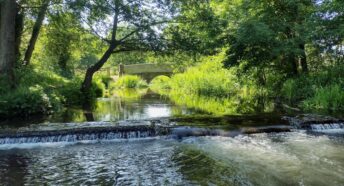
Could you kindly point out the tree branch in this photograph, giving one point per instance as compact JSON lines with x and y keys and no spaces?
{"x":92,"y":31}
{"x":142,"y":28}
{"x":115,"y":23}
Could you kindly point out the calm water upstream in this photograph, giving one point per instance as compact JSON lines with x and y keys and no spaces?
{"x":295,"y":158}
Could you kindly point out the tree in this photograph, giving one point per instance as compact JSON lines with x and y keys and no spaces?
{"x":271,"y":33}
{"x":328,"y":32}
{"x":197,"y":29}
{"x":35,"y":32}
{"x":8,"y":13}
{"x":63,"y":35}
{"x":124,"y":25}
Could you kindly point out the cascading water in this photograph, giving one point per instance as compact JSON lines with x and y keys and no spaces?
{"x":77,"y":137}
{"x":328,"y":128}
{"x":82,"y":134}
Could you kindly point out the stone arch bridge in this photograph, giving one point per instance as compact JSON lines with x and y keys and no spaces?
{"x":146,"y":71}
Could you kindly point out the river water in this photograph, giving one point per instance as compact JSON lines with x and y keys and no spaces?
{"x":294,"y":158}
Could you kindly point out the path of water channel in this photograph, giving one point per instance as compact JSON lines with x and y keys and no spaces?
{"x":286,"y":158}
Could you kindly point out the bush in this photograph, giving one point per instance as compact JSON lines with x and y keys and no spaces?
{"x":298,"y":89}
{"x":130,"y":81}
{"x":43,"y":92}
{"x":317,"y":90}
{"x":104,"y":78}
{"x":25,"y":101}
{"x":329,"y":97}
{"x":160,"y":82}
{"x":206,"y":79}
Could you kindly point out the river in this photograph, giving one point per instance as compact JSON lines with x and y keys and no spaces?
{"x":287,"y":158}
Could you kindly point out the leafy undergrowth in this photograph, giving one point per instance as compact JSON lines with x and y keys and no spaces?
{"x":211,"y":88}
{"x":41,"y":93}
{"x":129,"y":82}
{"x":317,"y":91}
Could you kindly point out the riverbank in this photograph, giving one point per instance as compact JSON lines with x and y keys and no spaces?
{"x":41,"y":93}
{"x":217,"y":90}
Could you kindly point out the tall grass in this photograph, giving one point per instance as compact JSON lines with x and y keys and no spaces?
{"x":160,"y":83}
{"x":206,"y":79}
{"x":330,"y":97}
{"x":211,"y":88}
{"x":129,"y":82}
{"x":322,"y":90}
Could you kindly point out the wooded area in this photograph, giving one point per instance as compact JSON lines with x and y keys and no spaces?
{"x":288,"y":50}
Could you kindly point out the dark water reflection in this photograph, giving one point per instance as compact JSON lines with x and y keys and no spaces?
{"x":295,"y":158}
{"x":125,"y":106}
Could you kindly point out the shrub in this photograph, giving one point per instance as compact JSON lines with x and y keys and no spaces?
{"x":160,"y":82}
{"x":297,"y":89}
{"x":130,"y":81}
{"x":208,"y":78}
{"x":24,"y":102}
{"x":42,"y":92}
{"x":330,"y":97}
{"x":317,"y":90}
{"x":104,"y":78}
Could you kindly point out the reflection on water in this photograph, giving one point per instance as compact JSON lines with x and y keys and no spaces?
{"x":145,"y":106}
{"x":124,"y":105}
{"x":295,"y":158}
{"x":222,"y":106}
{"x":263,"y":159}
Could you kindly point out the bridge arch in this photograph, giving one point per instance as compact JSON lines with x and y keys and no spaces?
{"x":146,"y":71}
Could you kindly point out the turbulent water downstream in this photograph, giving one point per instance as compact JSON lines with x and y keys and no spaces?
{"x":300,"y":157}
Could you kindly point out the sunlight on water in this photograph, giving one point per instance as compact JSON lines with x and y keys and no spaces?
{"x":287,"y":159}
{"x":263,"y":159}
{"x":139,"y":158}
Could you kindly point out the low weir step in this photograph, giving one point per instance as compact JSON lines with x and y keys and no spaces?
{"x":125,"y":132}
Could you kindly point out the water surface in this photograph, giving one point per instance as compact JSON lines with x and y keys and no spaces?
{"x":294,"y":158}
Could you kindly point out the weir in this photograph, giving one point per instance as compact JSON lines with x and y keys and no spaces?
{"x":153,"y":128}
{"x":84,"y":134}
{"x":126,"y":132}
{"x":328,"y":128}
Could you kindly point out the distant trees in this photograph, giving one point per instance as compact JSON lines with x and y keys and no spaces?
{"x":284,"y":36}
{"x":289,"y":37}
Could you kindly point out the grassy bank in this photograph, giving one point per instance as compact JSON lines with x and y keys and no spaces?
{"x":322,"y":90}
{"x":42,"y":93}
{"x":210,"y":87}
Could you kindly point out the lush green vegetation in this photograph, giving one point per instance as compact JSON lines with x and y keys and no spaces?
{"x":321,"y":90}
{"x":240,"y":55}
{"x":129,"y":82}
{"x":210,"y":87}
{"x":43,"y":92}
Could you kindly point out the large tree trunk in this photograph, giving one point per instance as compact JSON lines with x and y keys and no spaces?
{"x":35,"y":32}
{"x":19,"y":31}
{"x":86,"y":85}
{"x":303,"y":59}
{"x":8,"y":11}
